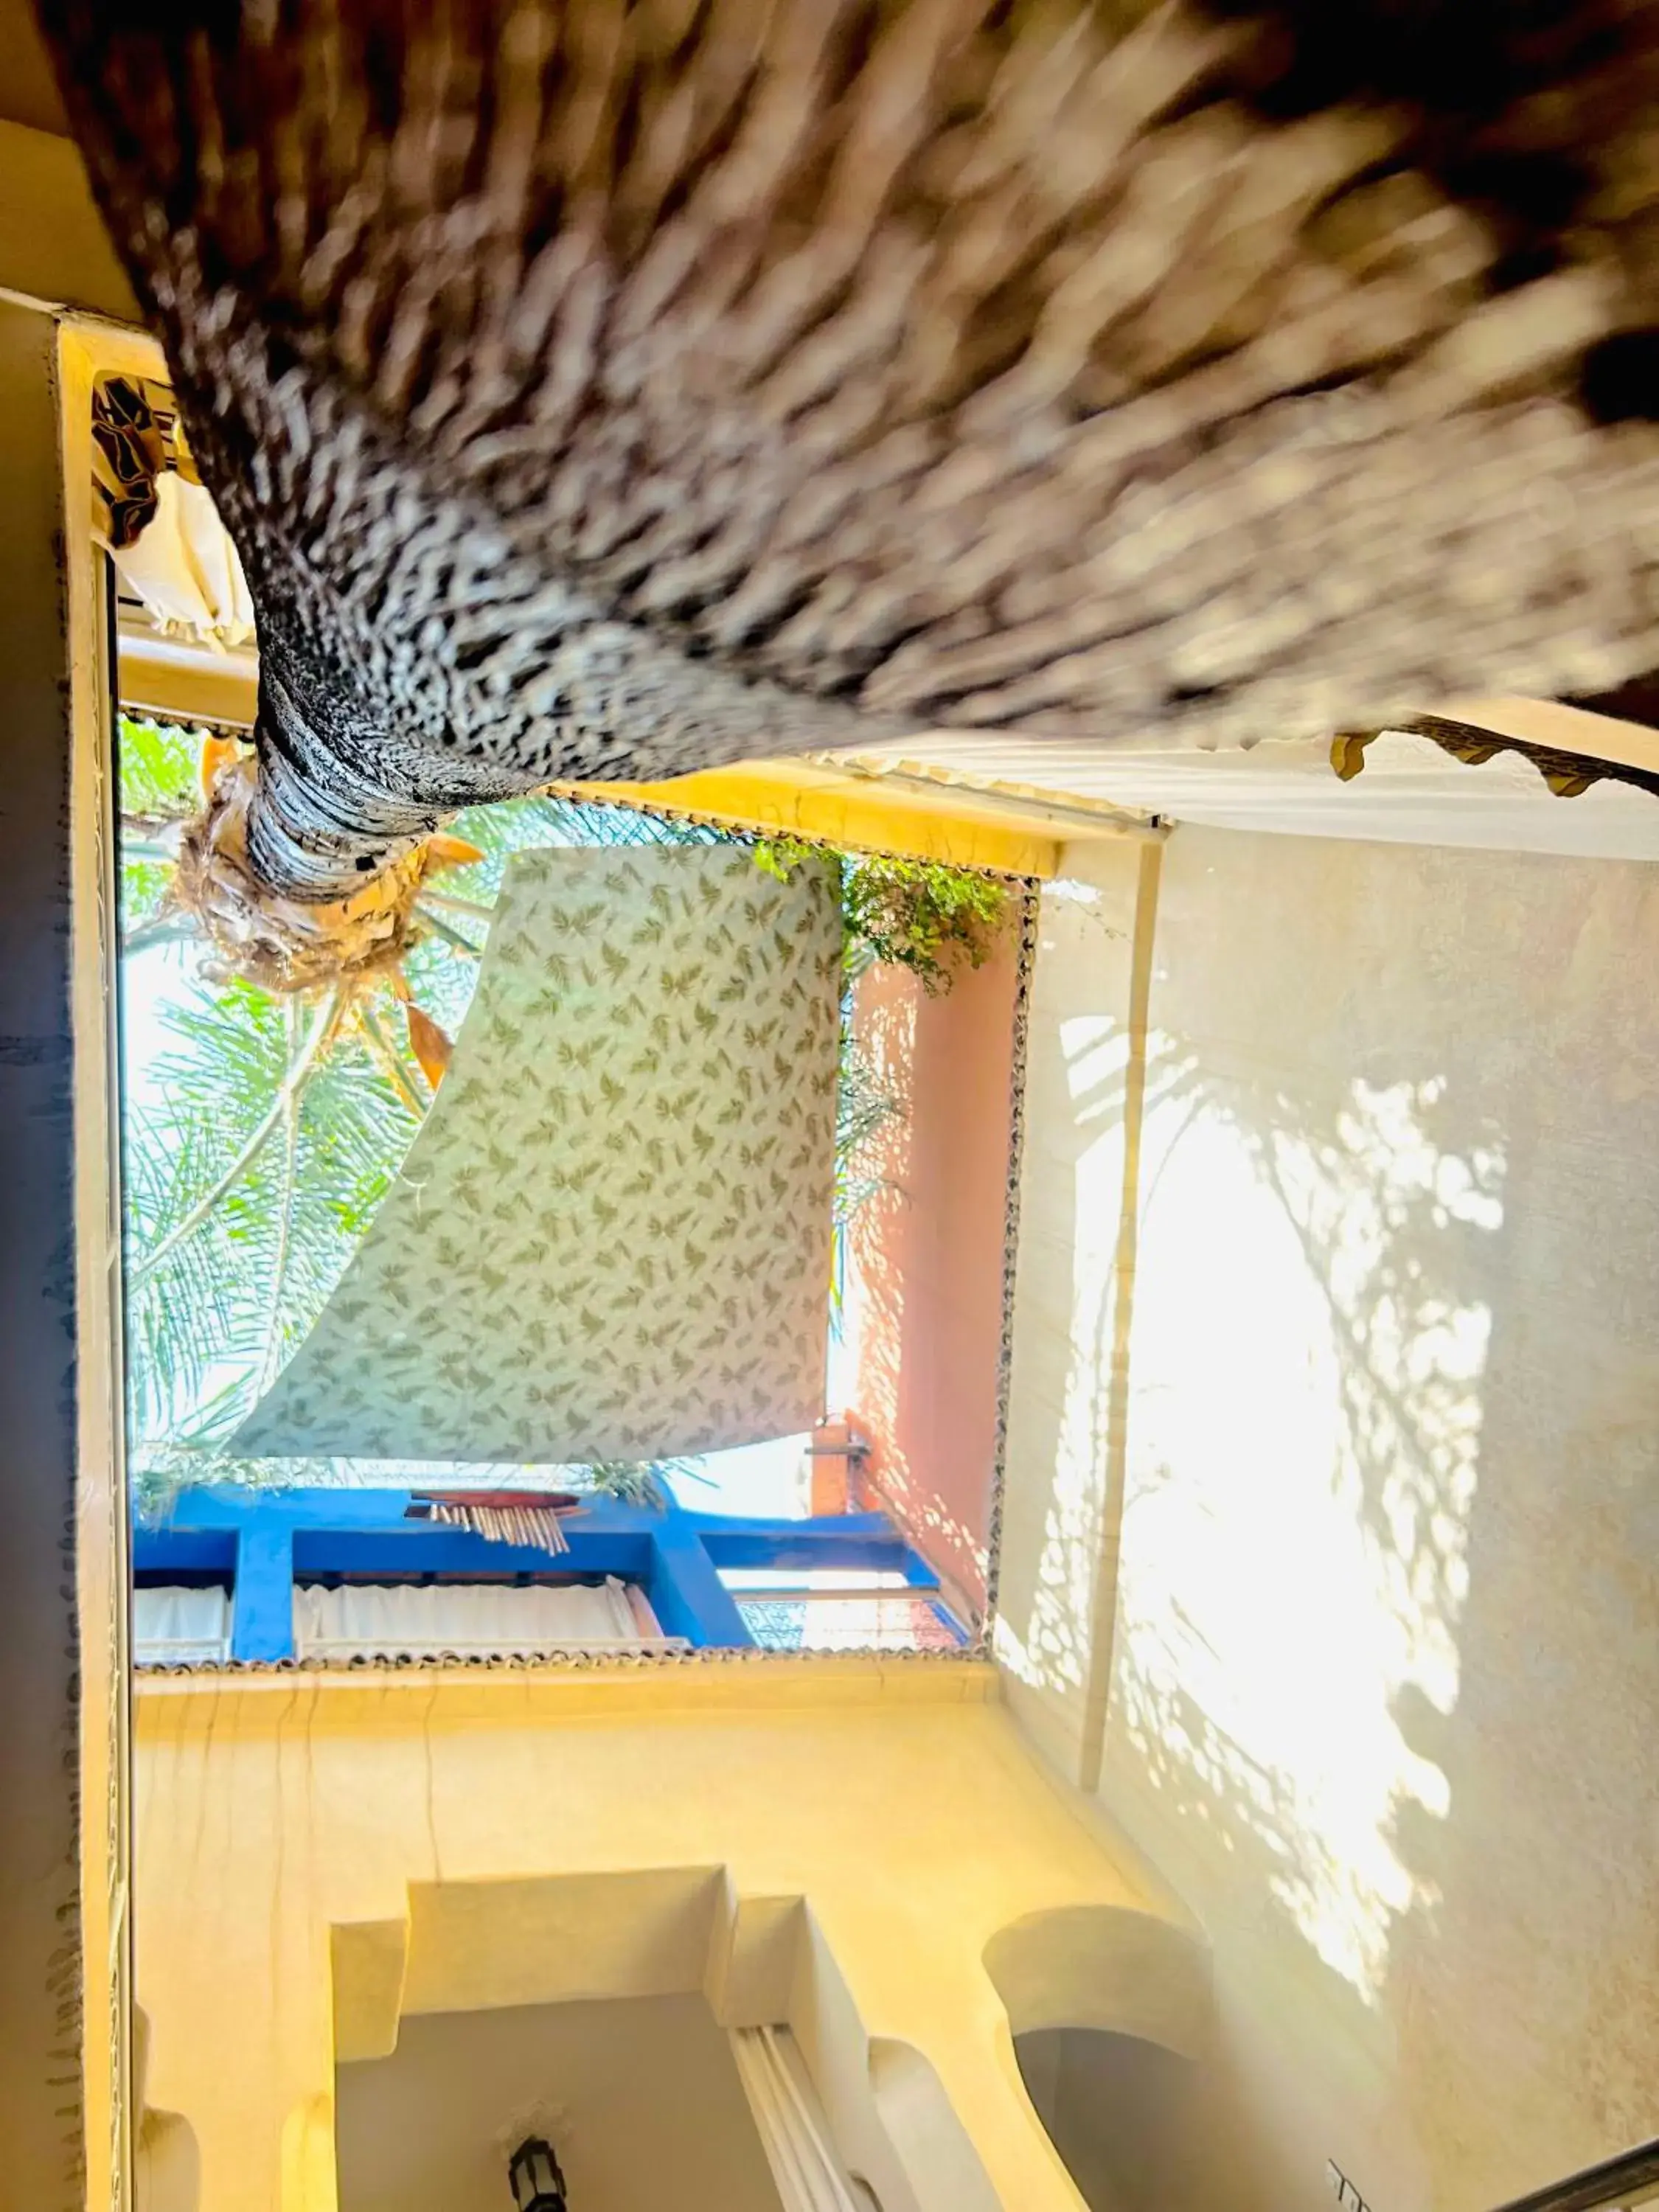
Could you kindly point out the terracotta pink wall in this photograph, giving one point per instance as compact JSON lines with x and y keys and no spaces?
{"x":927,"y":1254}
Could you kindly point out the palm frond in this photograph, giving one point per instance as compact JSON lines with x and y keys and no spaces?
{"x":228,"y":1271}
{"x":864,"y":1109}
{"x":247,"y":1155}
{"x":287,"y":1197}
{"x":157,"y":768}
{"x":635,"y":1482}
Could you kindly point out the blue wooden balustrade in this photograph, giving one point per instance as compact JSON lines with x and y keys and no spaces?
{"x":262,"y":1542}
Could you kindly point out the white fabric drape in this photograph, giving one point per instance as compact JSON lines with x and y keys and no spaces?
{"x":1409,"y":792}
{"x":184,"y":568}
{"x":792,"y":2128}
{"x":177,"y":1624}
{"x":418,"y":1620}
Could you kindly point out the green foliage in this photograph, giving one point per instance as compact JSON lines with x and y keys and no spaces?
{"x":157,"y":764}
{"x":864,"y":1108}
{"x":166,"y":1468}
{"x":919,"y":915}
{"x":212,"y":1318}
{"x":634,"y":1482}
{"x":217,"y":1305}
{"x":156,"y":769}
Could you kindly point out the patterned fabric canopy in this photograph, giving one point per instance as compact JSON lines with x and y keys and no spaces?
{"x":610,"y":1239}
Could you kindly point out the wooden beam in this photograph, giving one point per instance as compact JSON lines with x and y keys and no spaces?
{"x":797,"y":797}
{"x":54,"y":250}
{"x":47,"y":2013}
{"x":172,"y":682}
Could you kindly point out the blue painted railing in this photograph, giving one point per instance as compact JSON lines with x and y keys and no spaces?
{"x":261,"y":1542}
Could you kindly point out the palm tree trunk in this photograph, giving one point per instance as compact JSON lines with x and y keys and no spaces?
{"x":1122,"y":373}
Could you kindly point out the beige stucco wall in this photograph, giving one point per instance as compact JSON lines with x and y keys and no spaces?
{"x":834,"y":1844}
{"x":1055,"y":1505}
{"x":1385,"y":1678}
{"x":640,"y":2096}
{"x":63,"y":1902}
{"x":53,"y":246}
{"x":52,"y":242}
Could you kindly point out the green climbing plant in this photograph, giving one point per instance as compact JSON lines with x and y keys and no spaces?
{"x":919,"y":914}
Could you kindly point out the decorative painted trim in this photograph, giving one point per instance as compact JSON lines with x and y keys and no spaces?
{"x":571,"y":1659}
{"x":1029,"y":918}
{"x":594,"y":794}
{"x":1567,"y":775}
{"x":862,"y":812}
{"x":204,"y":724}
{"x":267,"y":1542}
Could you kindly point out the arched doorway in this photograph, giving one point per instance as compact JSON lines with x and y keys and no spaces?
{"x":1109,"y":2012}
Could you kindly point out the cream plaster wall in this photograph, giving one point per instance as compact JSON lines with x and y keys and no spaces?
{"x":52,"y":241}
{"x":831,"y":1844}
{"x":1126,"y":2114}
{"x":29,"y":91}
{"x":1384,"y":1678}
{"x":62,"y":2120}
{"x":1056,"y":1508}
{"x":640,"y":2096}
{"x":53,"y":246}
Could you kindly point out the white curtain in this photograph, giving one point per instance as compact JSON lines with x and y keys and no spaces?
{"x":184,"y":568}
{"x":421,"y":1620}
{"x":793,"y":2127}
{"x":176,"y":1624}
{"x":1410,"y":791}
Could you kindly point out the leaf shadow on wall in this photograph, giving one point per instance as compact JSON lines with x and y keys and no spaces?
{"x":928,"y":1251}
{"x":1390,"y":1539}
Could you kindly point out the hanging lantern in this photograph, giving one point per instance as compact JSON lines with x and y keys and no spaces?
{"x":537,"y":2183}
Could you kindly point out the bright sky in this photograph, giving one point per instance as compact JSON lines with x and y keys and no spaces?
{"x":159,"y":976}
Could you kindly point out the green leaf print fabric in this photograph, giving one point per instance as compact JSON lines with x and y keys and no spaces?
{"x":610,"y":1239}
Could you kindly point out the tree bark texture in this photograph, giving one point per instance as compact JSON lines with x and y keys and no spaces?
{"x":609,"y":388}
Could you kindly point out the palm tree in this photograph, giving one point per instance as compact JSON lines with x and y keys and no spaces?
{"x":756,"y":380}
{"x":272,"y":1125}
{"x":247,"y":1186}
{"x":262,"y":1138}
